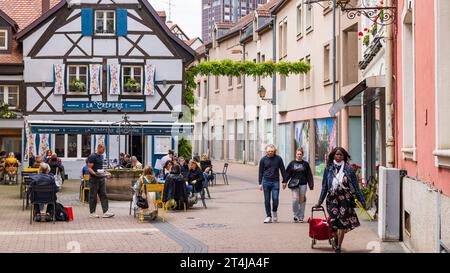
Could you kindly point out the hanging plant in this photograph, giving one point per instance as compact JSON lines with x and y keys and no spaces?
{"x":237,"y":69}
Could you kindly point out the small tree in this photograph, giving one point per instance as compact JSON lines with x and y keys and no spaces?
{"x":184,"y":148}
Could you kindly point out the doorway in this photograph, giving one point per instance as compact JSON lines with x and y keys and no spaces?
{"x":136,"y":144}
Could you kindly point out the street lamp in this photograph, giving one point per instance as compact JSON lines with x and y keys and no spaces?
{"x":262,"y":94}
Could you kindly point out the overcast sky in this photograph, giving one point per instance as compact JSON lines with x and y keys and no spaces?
{"x":186,"y":13}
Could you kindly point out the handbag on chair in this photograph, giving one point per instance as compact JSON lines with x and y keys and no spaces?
{"x":142,"y":202}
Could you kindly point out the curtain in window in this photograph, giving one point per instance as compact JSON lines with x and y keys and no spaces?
{"x":59,"y":79}
{"x":95,"y":79}
{"x":149,"y":79}
{"x":114,"y":79}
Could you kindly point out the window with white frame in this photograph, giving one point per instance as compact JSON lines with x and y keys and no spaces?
{"x":132,"y":80}
{"x":309,"y":17}
{"x":77,"y":79}
{"x":3,"y":39}
{"x":326,"y":63}
{"x":308,"y":76}
{"x":105,"y":22}
{"x":60,"y":145}
{"x":282,"y":82}
{"x":442,"y":94}
{"x":282,"y":39}
{"x":299,"y":20}
{"x":408,"y":92}
{"x":9,"y":94}
{"x":301,"y":79}
{"x":72,"y":144}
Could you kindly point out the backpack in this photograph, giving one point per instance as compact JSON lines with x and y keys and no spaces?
{"x":61,"y":213}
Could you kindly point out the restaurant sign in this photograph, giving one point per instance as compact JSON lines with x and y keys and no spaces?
{"x":104,"y":105}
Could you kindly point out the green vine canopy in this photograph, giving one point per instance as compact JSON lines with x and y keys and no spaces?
{"x":236,"y":69}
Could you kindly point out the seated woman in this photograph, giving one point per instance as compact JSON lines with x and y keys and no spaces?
{"x":167,"y":169}
{"x":11,"y":167}
{"x":206,"y":166}
{"x":175,"y":188}
{"x":147,"y":177}
{"x":195,"y":178}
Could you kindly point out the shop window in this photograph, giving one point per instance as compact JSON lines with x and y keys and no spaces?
{"x":72,"y":141}
{"x":86,"y":147}
{"x":60,"y":145}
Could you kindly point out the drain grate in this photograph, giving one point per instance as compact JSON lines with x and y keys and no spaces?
{"x":211,"y":226}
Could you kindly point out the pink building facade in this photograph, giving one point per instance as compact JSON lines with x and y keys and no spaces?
{"x":422,"y":120}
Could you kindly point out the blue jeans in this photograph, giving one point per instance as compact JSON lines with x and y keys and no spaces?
{"x":271,"y":188}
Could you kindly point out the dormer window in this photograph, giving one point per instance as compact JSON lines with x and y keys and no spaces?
{"x":3,"y":39}
{"x":105,"y":22}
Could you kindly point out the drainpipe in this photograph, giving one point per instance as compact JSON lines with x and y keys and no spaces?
{"x":208,"y":139}
{"x":274,"y":80}
{"x":390,"y":140}
{"x":244,"y":117}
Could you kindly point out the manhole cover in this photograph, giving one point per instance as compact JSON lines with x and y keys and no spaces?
{"x":212,"y":226}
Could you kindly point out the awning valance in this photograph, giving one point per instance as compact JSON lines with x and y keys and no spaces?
{"x":363,"y":93}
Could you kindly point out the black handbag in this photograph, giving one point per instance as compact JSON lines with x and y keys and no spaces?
{"x":142,"y":202}
{"x":293,"y":183}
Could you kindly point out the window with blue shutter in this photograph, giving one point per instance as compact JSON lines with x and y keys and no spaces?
{"x":87,"y":21}
{"x":122,"y":22}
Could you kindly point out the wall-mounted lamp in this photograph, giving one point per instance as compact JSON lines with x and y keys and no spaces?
{"x":262,"y":93}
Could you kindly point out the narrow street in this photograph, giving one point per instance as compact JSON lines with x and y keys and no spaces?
{"x":231,"y":223}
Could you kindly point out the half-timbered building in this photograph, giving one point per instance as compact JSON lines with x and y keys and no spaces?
{"x":89,"y":62}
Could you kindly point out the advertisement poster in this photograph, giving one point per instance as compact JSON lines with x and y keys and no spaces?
{"x":325,"y":142}
{"x":301,"y":136}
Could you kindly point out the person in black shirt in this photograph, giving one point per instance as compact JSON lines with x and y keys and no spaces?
{"x":98,"y":183}
{"x":270,"y":167}
{"x":184,"y":166}
{"x":299,"y":175}
{"x":207,"y":167}
{"x":195,"y":178}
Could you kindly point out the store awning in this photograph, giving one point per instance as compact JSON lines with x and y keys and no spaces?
{"x":365,"y":92}
{"x":103,"y":128}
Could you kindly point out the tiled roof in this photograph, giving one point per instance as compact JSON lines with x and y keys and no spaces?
{"x":224,"y":25}
{"x":24,"y":12}
{"x":247,"y":19}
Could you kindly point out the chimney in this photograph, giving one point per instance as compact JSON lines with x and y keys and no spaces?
{"x":45,"y":6}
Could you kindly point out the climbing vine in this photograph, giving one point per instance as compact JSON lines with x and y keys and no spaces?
{"x":235,"y":69}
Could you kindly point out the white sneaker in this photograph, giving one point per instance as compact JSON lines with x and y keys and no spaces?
{"x":274,"y":216}
{"x":93,"y":215}
{"x":108,"y":215}
{"x":268,"y":220}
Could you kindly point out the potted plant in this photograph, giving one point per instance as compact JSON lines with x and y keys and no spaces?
{"x":131,"y":86}
{"x":77,"y":86}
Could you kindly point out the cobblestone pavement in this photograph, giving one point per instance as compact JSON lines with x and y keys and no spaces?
{"x":231,"y":223}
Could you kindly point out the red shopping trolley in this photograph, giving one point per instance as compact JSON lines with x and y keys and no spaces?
{"x":320,"y":228}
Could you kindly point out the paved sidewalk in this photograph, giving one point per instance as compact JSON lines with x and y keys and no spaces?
{"x":231,"y":223}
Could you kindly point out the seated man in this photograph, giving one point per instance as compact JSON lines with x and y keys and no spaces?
{"x":135,"y":164}
{"x":38,"y":162}
{"x":44,"y":178}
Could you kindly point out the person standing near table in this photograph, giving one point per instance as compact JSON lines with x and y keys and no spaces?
{"x":98,"y":183}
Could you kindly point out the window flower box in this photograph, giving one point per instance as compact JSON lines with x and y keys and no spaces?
{"x":131,"y":86}
{"x":77,"y":86}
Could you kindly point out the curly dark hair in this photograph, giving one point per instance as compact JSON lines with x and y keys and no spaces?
{"x":333,"y":153}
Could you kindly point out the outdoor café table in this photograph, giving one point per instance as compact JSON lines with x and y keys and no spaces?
{"x":26,"y":180}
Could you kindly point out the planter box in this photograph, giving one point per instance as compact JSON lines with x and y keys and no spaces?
{"x":118,"y":186}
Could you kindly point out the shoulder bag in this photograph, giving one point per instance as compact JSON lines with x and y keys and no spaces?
{"x":293,"y":183}
{"x":142,"y":202}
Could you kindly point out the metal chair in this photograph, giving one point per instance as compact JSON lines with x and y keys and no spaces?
{"x":223,"y":173}
{"x":84,"y":188}
{"x":51,"y":199}
{"x":206,"y":184}
{"x":24,"y":194}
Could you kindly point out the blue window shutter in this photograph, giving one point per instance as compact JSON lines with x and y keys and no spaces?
{"x":122,"y":22}
{"x":87,"y":22}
